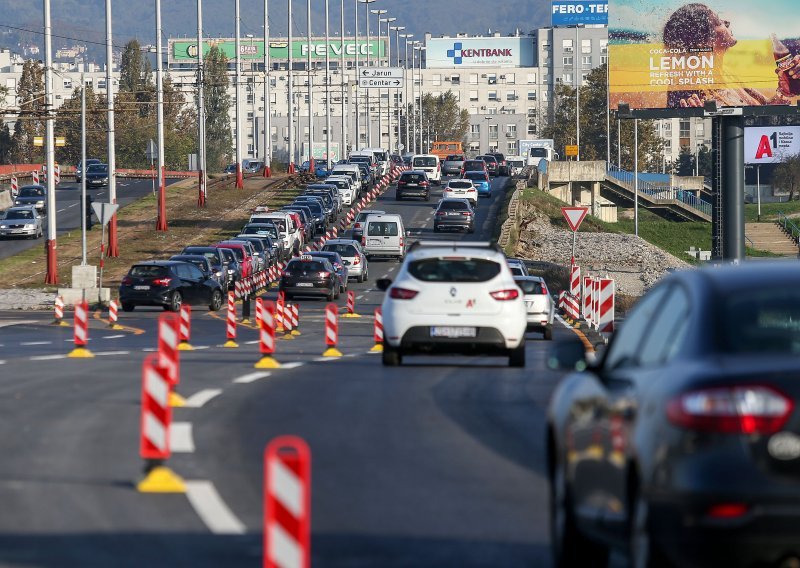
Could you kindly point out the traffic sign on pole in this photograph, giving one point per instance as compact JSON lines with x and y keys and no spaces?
{"x":380,"y":73}
{"x":379,"y":83}
{"x":104,"y":211}
{"x":574,"y":216}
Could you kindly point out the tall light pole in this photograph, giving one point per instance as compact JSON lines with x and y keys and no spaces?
{"x":161,"y":217}
{"x":327,"y":89}
{"x":393,"y":114}
{"x":366,"y":92}
{"x":310,"y":92}
{"x":113,"y":249}
{"x":51,"y":276}
{"x":378,"y":14}
{"x":420,"y":48}
{"x":414,"y":110}
{"x":358,"y":107}
{"x":388,"y":22}
{"x":406,"y":37}
{"x":267,"y":154}
{"x":578,"y":68}
{"x":237,"y":58}
{"x":201,"y":111}
{"x":343,"y":76}
{"x":290,"y":93}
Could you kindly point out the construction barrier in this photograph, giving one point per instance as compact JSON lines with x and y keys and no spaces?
{"x":587,"y":298}
{"x":230,"y":328}
{"x":351,"y":305}
{"x":595,"y":301}
{"x":287,"y":503}
{"x":259,"y":307}
{"x":168,"y":357}
{"x":185,"y":328}
{"x":279,"y":307}
{"x":287,"y":322}
{"x":14,"y":187}
{"x":58,"y":309}
{"x":35,"y":177}
{"x":575,"y":281}
{"x":155,"y":423}
{"x":81,"y":331}
{"x":605,"y":318}
{"x":56,"y":174}
{"x":378,"y":332}
{"x":331,"y":331}
{"x":266,"y":336}
{"x":239,"y":289}
{"x":295,"y":315}
{"x":113,"y":317}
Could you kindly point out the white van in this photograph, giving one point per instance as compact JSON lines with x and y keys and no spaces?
{"x":428,"y":163}
{"x":290,"y":234}
{"x":384,"y":235}
{"x":382,"y":156}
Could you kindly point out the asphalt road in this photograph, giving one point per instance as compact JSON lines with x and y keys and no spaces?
{"x":68,"y":209}
{"x":439,"y":462}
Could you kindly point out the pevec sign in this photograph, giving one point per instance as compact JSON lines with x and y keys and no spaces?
{"x":770,"y":145}
{"x":183,"y":51}
{"x":579,"y":12}
{"x":451,"y":53}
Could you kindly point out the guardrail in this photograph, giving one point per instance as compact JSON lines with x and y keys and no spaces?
{"x":659,"y":192}
{"x":23,"y":175}
{"x":789,"y":227}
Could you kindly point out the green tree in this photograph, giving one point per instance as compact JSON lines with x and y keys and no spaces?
{"x":30,"y":123}
{"x":787,"y":175}
{"x":444,"y":117}
{"x":684,"y":164}
{"x":136,"y":80}
{"x":219,"y":138}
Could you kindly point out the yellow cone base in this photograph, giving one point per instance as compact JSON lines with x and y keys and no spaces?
{"x":332,"y":352}
{"x":80,"y":353}
{"x":295,"y":332}
{"x":176,"y":400}
{"x":377,"y":348}
{"x":350,"y":316}
{"x":230,"y":343}
{"x":185,"y":346}
{"x":115,"y":326}
{"x":60,"y":323}
{"x":267,"y":363}
{"x":245,"y":320}
{"x":161,"y":479}
{"x":280,"y":329}
{"x":287,"y":335}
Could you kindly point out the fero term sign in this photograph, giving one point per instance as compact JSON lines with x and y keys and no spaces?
{"x":678,"y":54}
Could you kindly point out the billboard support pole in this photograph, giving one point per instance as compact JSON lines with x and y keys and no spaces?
{"x":732,"y":188}
{"x":636,"y":177}
{"x":758,"y":189}
{"x":577,"y":93}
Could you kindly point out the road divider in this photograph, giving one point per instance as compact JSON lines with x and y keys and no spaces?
{"x":168,"y":355}
{"x":266,"y":334}
{"x":295,"y":315}
{"x":288,"y":322}
{"x":230,"y":327}
{"x":185,"y":328}
{"x":112,"y":315}
{"x":351,"y":305}
{"x":81,"y":332}
{"x":331,"y":331}
{"x":378,"y":332}
{"x":58,"y":312}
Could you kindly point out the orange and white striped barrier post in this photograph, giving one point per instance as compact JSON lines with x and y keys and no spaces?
{"x":351,"y":305}
{"x":35,"y":176}
{"x":295,"y":319}
{"x":81,"y":333}
{"x":230,"y":327}
{"x":332,"y":331}
{"x":266,"y":337}
{"x":378,"y":332}
{"x":287,"y":503}
{"x":587,"y":298}
{"x":14,"y":187}
{"x":287,"y":322}
{"x":58,"y":312}
{"x":169,"y":329}
{"x":259,"y":307}
{"x":606,"y":300}
{"x":185,"y":328}
{"x":279,"y":306}
{"x":154,"y":429}
{"x":113,"y":316}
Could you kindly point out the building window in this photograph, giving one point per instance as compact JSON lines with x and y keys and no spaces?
{"x":436,"y":79}
{"x":567,"y":78}
{"x":531,"y":128}
{"x":584,"y":77}
{"x":493,"y":132}
{"x":546,"y":46}
{"x":531,"y":95}
{"x":493,"y":96}
{"x":531,"y":78}
{"x":586,"y":60}
{"x":685,"y":128}
{"x":491,"y":110}
{"x":474,"y":147}
{"x":67,"y":83}
{"x":586,"y":46}
{"x":455,"y":79}
{"x":511,"y":148}
{"x":251,"y":99}
{"x":473,"y":78}
{"x":511,"y":95}
{"x":473,"y":110}
{"x":473,"y":96}
{"x":604,"y":47}
{"x":511,"y":130}
{"x":545,"y":96}
{"x":491,"y":78}
{"x":475,"y":130}
{"x":567,"y":46}
{"x":699,"y":130}
{"x":249,"y":116}
{"x":510,"y":79}
{"x":604,"y":60}
{"x":568,"y":61}
{"x":101,"y":83}
{"x":667,"y":144}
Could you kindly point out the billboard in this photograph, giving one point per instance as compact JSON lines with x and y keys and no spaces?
{"x":675,"y":54}
{"x":579,"y":12}
{"x":185,"y":51}
{"x":770,"y":144}
{"x":452,"y":53}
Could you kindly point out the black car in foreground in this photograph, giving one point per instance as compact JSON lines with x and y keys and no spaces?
{"x":309,"y":276}
{"x":413,"y":184}
{"x":34,"y":195}
{"x":681,"y":443}
{"x":169,"y":284}
{"x":96,"y":175}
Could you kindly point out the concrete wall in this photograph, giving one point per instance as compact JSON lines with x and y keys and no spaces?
{"x":5,"y":199}
{"x":576,"y":171}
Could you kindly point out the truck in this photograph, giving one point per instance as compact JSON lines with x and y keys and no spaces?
{"x":535,"y":150}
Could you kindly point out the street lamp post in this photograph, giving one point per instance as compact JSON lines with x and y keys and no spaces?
{"x":405,"y":87}
{"x":290,"y":94}
{"x":343,"y":76}
{"x":310,"y":93}
{"x":327,"y":89}
{"x":201,"y":112}
{"x":379,"y":13}
{"x":393,"y":106}
{"x":414,"y":94}
{"x":267,"y":111}
{"x":386,"y":21}
{"x":238,"y":62}
{"x":366,"y":92}
{"x":420,"y":48}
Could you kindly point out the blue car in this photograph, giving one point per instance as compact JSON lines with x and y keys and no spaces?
{"x":481,"y":182}
{"x":321,"y":169}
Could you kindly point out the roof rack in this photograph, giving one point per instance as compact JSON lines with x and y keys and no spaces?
{"x":455,"y":245}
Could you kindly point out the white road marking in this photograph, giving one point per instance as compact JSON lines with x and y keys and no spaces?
{"x":150,"y":349}
{"x":61,"y":210}
{"x":251,"y":377}
{"x":47,"y":357}
{"x":198,"y":399}
{"x":252,"y":342}
{"x":28,"y":343}
{"x":113,"y":336}
{"x":180,"y":438}
{"x":2,"y":362}
{"x":15,"y":322}
{"x":211,"y":509}
{"x":323,"y":359}
{"x":293,"y":365}
{"x":102,"y":353}
{"x":201,"y":347}
{"x":73,"y":205}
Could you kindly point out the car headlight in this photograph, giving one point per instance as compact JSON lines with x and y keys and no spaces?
{"x":231,"y":271}
{"x":39,"y":203}
{"x":3,"y":227}
{"x":30,"y":225}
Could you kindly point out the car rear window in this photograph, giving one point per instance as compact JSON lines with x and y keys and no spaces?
{"x":425,"y":162}
{"x":460,"y":184}
{"x":413,"y":177}
{"x":530,"y":286}
{"x":382,"y":229}
{"x":453,"y":205}
{"x":149,"y":271}
{"x":343,"y":250}
{"x":761,"y":321}
{"x":19,"y":214}
{"x":454,"y":269}
{"x":305,"y":267}
{"x":238,"y":253}
{"x":454,"y":158}
{"x":480,"y":176}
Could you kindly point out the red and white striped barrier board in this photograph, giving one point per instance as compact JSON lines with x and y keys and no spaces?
{"x":259,"y":307}
{"x":279,"y":311}
{"x":295,"y":315}
{"x":238,"y":289}
{"x":156,"y":415}
{"x":168,"y":337}
{"x":561,"y":297}
{"x":606,"y":306}
{"x":595,"y":301}
{"x":230,"y":327}
{"x":186,"y":323}
{"x":378,"y":329}
{"x":287,"y":503}
{"x":287,"y":320}
{"x":266,"y":328}
{"x":112,"y":313}
{"x":35,"y":177}
{"x":14,"y":187}
{"x":81,"y":335}
{"x":56,"y":174}
{"x":351,"y":302}
{"x":575,"y":281}
{"x":587,"y":298}
{"x":571,"y":306}
{"x":58,"y":311}
{"x":331,"y":325}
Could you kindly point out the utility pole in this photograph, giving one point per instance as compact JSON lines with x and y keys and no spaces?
{"x":113,"y":249}
{"x":201,"y":111}
{"x":327,"y":89}
{"x":378,"y":14}
{"x":161,"y":217}
{"x":310,"y":94}
{"x":267,"y":152}
{"x":343,"y":76}
{"x":290,"y":94}
{"x":238,"y":78}
{"x":51,"y":276}
{"x":366,"y":91}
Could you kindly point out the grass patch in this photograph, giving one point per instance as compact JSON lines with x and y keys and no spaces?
{"x":769,"y":211}
{"x":761,"y":253}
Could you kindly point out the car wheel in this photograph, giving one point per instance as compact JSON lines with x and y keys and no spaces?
{"x":548,"y":333}
{"x":175,"y":302}
{"x":216,"y":301}
{"x":392,"y":357}
{"x":427,"y":196}
{"x":128,"y":307}
{"x":331,"y":296}
{"x":570,"y":548}
{"x":643,"y":552}
{"x":516,"y":358}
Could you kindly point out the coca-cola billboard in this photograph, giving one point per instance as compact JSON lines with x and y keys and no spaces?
{"x":678,"y":54}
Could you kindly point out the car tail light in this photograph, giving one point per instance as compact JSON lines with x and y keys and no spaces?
{"x":401,"y":241}
{"x":401,"y":182}
{"x":424,"y":184}
{"x":357,"y":226}
{"x":441,"y":213}
{"x":727,"y":510}
{"x":466,"y":213}
{"x":363,"y":239}
{"x":739,"y":409}
{"x":544,"y":290}
{"x":162,"y":281}
{"x":127,"y":281}
{"x":324,"y":274}
{"x":402,"y":293}
{"x":503,"y":295}
{"x":357,"y":261}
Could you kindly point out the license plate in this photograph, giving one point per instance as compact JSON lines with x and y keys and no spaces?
{"x":305,"y":285}
{"x":453,"y":332}
{"x":141,"y":287}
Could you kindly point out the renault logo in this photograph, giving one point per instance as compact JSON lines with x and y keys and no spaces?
{"x":453,"y":291}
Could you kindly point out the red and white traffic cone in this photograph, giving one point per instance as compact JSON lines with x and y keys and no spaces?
{"x":351,"y":305}
{"x":295,"y":315}
{"x":81,"y":333}
{"x":185,"y":328}
{"x":266,"y":336}
{"x":14,"y":187}
{"x":287,"y":503}
{"x":287,"y":322}
{"x":169,"y":331}
{"x":332,"y":331}
{"x":230,"y":328}
{"x":154,"y":430}
{"x":279,"y":307}
{"x":259,"y":307}
{"x":58,"y":312}
{"x":378,"y":332}
{"x":113,"y":317}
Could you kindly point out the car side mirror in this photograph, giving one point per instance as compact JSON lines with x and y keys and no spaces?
{"x":568,"y":355}
{"x":383,"y":284}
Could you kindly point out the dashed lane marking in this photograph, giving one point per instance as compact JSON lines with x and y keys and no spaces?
{"x":16,"y":322}
{"x":106,"y":353}
{"x":199,"y":399}
{"x":29,"y":343}
{"x":47,"y":357}
{"x":293,"y":365}
{"x":181,"y":440}
{"x":113,"y":336}
{"x":2,"y":362}
{"x":211,"y":509}
{"x":251,"y":377}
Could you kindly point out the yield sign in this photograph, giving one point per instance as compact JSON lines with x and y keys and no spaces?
{"x":574,"y":216}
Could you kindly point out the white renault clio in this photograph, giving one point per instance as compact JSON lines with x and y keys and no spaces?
{"x":455,"y":298}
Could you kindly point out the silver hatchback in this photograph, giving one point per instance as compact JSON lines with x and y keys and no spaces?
{"x":353,"y":256}
{"x":538,"y":304}
{"x":21,"y":222}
